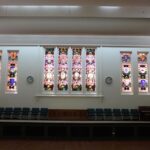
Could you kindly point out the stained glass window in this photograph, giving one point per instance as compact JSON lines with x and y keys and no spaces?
{"x":12,"y":72}
{"x":63,"y":69}
{"x":49,"y":70}
{"x":90,"y":70}
{"x":0,"y":62}
{"x":143,"y":72}
{"x":77,"y":77}
{"x":76,"y":69}
{"x":126,"y":72}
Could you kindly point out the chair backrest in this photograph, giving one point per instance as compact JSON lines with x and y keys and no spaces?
{"x":8,"y":109}
{"x":108,"y":111}
{"x":91,"y":111}
{"x":134,"y":112}
{"x":44,"y":111}
{"x":1,"y":109}
{"x":17,"y":109}
{"x":125,"y":112}
{"x":25,"y":110}
{"x":35,"y":110}
{"x":99,"y":111}
{"x":116,"y":111}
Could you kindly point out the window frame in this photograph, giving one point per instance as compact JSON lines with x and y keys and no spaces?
{"x":70,"y":93}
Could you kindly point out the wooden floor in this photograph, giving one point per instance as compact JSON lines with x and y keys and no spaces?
{"x":73,"y":145}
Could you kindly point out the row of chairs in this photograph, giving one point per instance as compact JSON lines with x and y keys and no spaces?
{"x":113,"y":114}
{"x":93,"y":114}
{"x":23,"y":113}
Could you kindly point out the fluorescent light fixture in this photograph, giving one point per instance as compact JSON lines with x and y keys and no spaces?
{"x":109,"y":7}
{"x":41,"y":6}
{"x":61,"y":6}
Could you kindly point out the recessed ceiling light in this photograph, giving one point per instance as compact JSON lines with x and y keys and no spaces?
{"x":41,"y":6}
{"x":109,"y":7}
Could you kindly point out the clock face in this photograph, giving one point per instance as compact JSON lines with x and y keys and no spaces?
{"x":30,"y":79}
{"x":108,"y":80}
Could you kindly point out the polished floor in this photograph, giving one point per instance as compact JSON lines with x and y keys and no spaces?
{"x":73,"y":145}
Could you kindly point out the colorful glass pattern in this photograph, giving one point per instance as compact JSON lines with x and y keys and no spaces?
{"x":63,"y":69}
{"x":76,"y":70}
{"x":49,"y":70}
{"x":12,"y":72}
{"x":143,"y":72}
{"x":126,"y":77}
{"x":90,"y":70}
{"x":0,"y":62}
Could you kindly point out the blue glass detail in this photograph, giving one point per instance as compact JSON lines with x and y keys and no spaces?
{"x":125,"y":58}
{"x":143,"y":83}
{"x":12,"y":82}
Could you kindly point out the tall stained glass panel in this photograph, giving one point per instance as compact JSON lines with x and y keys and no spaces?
{"x":0,"y":63}
{"x":90,"y":70}
{"x":126,"y":77}
{"x":143,"y":72}
{"x":49,"y":70}
{"x":63,"y":69}
{"x":76,"y":69}
{"x":12,"y":72}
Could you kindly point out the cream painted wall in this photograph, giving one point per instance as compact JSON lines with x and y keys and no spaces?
{"x":30,"y":63}
{"x":111,"y":66}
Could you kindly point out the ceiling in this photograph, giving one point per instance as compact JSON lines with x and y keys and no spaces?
{"x":75,"y":17}
{"x":78,"y":2}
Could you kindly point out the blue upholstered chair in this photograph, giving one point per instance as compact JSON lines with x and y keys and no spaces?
{"x":117,"y":115}
{"x":43,"y":114}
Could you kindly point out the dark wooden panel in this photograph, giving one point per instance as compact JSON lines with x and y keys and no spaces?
{"x":144,"y":113}
{"x":67,"y":114}
{"x":73,"y":145}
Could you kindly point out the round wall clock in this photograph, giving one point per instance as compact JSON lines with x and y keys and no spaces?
{"x":30,"y":79}
{"x":108,"y":80}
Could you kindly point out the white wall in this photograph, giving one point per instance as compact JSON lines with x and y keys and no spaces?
{"x":111,"y":67}
{"x":74,"y":26}
{"x":30,"y":63}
